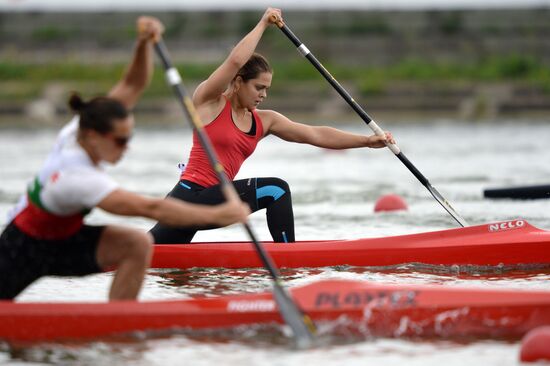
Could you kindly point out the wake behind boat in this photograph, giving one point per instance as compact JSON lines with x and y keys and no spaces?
{"x":374,"y":309}
{"x":508,"y":243}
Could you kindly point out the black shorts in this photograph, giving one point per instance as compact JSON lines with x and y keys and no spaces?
{"x":24,"y":259}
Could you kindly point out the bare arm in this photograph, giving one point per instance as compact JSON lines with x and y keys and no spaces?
{"x":140,"y":71}
{"x":321,"y":136}
{"x":212,"y":88}
{"x":174,"y":212}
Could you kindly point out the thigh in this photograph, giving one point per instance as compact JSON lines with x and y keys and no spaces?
{"x":257,"y":192}
{"x":117,"y":243}
{"x":246,"y":188}
{"x":163,"y":234}
{"x":24,"y":259}
{"x":75,"y":256}
{"x":193,"y":193}
{"x":190,"y":192}
{"x":260,"y":193}
{"x":17,"y":268}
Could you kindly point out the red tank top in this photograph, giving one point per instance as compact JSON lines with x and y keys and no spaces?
{"x":232,"y":146}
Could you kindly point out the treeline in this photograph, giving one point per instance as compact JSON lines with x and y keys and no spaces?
{"x":28,"y":80}
{"x":361,"y":37}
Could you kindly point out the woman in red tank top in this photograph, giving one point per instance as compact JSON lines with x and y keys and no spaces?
{"x":227,"y":101}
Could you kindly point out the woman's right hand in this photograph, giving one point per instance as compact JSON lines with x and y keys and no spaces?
{"x":270,"y":13}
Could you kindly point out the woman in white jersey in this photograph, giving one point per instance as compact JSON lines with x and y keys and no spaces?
{"x":46,"y":234}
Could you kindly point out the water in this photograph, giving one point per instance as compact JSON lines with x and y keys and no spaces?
{"x":334,"y":194}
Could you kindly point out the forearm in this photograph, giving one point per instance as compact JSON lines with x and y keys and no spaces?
{"x":174,"y":212}
{"x":332,"y":138}
{"x":140,"y":71}
{"x":137,"y":76}
{"x":242,"y":52}
{"x":178,"y":213}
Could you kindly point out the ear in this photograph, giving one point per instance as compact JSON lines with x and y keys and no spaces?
{"x":92,"y":137}
{"x":237,"y":82}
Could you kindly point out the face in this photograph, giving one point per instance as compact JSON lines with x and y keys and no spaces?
{"x":111,"y":146}
{"x":252,"y":92}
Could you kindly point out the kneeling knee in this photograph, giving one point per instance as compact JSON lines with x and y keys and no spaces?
{"x":141,"y":244}
{"x":282,"y":184}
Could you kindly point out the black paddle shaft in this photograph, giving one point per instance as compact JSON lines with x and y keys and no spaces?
{"x":368,"y":120}
{"x":289,"y":310}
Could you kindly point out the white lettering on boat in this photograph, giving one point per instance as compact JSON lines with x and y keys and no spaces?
{"x":244,"y":306}
{"x":363,"y":298}
{"x":506,"y":225}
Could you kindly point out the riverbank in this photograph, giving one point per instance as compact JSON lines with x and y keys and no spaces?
{"x":315,"y":101}
{"x":499,"y":88}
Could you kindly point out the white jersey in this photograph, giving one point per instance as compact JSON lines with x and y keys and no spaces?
{"x":69,"y":182}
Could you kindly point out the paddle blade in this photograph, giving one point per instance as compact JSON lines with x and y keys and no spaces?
{"x":301,"y":325}
{"x":446,"y":205}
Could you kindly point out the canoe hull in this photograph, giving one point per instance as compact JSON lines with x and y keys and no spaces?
{"x":377,"y":310}
{"x":504,"y":243}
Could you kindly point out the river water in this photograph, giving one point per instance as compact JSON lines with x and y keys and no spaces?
{"x":334,"y":194}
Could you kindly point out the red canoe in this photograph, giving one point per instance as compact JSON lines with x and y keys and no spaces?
{"x":506,"y":243}
{"x":381,"y":310}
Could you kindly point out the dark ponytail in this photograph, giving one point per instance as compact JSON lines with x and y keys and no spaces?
{"x":255,"y":65}
{"x":97,"y":114}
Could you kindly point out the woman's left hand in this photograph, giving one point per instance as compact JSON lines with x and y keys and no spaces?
{"x":269,"y":15}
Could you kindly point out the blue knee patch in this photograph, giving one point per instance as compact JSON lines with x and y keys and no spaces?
{"x":269,"y":191}
{"x":284,"y":237}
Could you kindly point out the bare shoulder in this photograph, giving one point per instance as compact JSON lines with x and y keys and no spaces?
{"x":270,"y":118}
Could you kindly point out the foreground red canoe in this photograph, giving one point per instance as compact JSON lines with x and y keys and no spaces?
{"x":503,"y":243}
{"x":374,"y":309}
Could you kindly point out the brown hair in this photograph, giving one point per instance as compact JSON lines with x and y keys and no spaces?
{"x":97,"y":114}
{"x":255,"y":65}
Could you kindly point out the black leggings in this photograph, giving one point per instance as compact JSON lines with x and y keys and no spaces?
{"x":272,"y":194}
{"x":24,"y":259}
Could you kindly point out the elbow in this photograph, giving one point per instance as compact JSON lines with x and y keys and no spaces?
{"x":236,"y":60}
{"x":136,"y":85}
{"x":154,"y":210}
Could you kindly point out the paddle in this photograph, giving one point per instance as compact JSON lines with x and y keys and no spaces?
{"x":301,"y":325}
{"x":372,"y":124}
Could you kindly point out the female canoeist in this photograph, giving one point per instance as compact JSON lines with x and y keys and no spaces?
{"x":46,"y":234}
{"x":228,"y":100}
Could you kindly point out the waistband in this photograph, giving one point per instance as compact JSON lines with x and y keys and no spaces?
{"x":187,"y":184}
